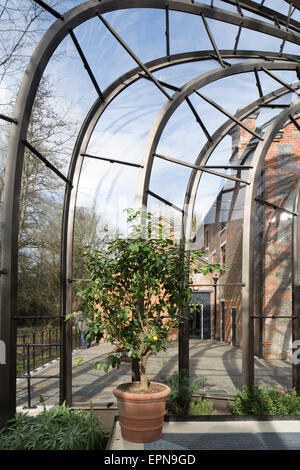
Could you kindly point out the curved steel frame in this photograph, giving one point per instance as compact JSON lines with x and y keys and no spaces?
{"x":57,"y":32}
{"x":248,"y":249}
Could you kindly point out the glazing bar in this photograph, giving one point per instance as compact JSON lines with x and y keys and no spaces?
{"x":237,"y":38}
{"x":289,"y":17}
{"x":273,"y":316}
{"x":134,"y":57}
{"x":201,"y":168}
{"x":282,"y":46}
{"x":164,"y":201}
{"x":258,"y":84}
{"x":8,"y":119}
{"x":238,"y":7}
{"x":49,"y":9}
{"x":166,"y":85}
{"x":222,"y":110}
{"x":46,"y":162}
{"x":208,"y":136}
{"x":230,"y":167}
{"x":241,"y":284}
{"x":274,"y":206}
{"x":274,"y":106}
{"x":85,"y":63}
{"x":213,"y":43}
{"x":283,"y":83}
{"x":296,"y":124}
{"x":167,"y":33}
{"x":111,"y":160}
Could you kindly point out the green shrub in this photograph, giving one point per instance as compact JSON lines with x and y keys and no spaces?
{"x":200,"y":406}
{"x":181,"y":392}
{"x":258,"y":400}
{"x":59,"y":429}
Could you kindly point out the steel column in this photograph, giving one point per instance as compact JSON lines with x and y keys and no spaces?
{"x":248,"y":244}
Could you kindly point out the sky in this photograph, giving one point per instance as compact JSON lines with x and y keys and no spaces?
{"x":124,"y":127}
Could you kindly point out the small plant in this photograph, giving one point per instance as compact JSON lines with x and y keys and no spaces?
{"x":59,"y":429}
{"x":258,"y":400}
{"x":200,"y":406}
{"x":181,"y":392}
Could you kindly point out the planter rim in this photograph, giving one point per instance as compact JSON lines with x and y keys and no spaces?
{"x":142,"y":396}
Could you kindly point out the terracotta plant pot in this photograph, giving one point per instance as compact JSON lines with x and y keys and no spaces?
{"x":141,"y":414}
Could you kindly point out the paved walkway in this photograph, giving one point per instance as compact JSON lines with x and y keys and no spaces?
{"x":219,"y":362}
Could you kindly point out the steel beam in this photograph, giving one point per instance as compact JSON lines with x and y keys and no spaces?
{"x":205,"y":169}
{"x":49,"y":9}
{"x":296,"y":287}
{"x":8,"y":119}
{"x":164,"y":84}
{"x":275,"y":206}
{"x":279,"y":80}
{"x":85,"y":63}
{"x":111,"y":160}
{"x":212,"y":40}
{"x":165,"y":201}
{"x":296,"y":124}
{"x":222,"y":110}
{"x":45,"y":161}
{"x":237,"y":39}
{"x":192,"y":108}
{"x":258,"y":84}
{"x":133,"y":56}
{"x":167,"y":32}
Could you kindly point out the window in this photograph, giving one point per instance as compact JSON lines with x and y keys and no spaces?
{"x":223,"y":254}
{"x":206,"y":237}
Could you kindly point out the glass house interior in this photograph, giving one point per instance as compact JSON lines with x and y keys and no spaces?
{"x":190,"y":109}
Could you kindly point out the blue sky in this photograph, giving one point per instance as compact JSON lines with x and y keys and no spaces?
{"x":124,"y":127}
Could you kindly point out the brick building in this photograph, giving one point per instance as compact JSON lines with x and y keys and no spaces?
{"x":221,"y":235}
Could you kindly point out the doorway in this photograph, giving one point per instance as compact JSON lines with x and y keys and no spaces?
{"x":200,"y":322}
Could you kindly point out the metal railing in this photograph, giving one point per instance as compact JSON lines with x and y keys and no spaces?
{"x":37,"y":354}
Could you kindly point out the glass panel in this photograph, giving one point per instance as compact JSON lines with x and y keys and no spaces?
{"x":274,"y":255}
{"x":39,"y":280}
{"x":219,"y":211}
{"x":4,"y":133}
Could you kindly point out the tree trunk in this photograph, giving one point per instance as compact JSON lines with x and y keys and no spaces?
{"x":144,"y":355}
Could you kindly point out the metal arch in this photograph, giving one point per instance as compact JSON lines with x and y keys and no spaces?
{"x":153,"y":139}
{"x":266,"y":12}
{"x":296,"y":286}
{"x":57,"y":32}
{"x":248,"y":245}
{"x":170,"y":107}
{"x":76,"y":164}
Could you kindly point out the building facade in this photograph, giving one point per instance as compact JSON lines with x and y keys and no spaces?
{"x":221,"y":235}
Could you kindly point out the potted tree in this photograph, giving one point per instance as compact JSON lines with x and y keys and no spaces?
{"x":138,"y":292}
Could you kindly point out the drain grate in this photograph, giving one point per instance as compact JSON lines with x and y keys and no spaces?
{"x":228,"y":441}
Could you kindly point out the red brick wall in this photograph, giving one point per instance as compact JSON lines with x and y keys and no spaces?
{"x":273,"y":257}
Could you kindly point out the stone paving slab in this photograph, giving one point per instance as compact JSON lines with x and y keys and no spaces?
{"x":219,"y":362}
